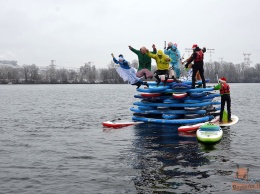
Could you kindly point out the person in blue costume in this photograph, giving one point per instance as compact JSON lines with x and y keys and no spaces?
{"x":126,"y":72}
{"x":224,"y":89}
{"x":175,"y":56}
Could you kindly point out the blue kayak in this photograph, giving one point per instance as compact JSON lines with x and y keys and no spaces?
{"x":137,"y":110}
{"x":175,"y":104}
{"x":155,"y":89}
{"x":189,"y":90}
{"x":173,"y":121}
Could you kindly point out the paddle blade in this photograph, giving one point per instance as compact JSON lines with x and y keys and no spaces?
{"x":225,"y":116}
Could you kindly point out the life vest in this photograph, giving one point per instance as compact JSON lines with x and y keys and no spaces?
{"x":224,"y":88}
{"x":200,"y":56}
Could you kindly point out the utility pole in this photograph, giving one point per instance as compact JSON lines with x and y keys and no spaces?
{"x":247,"y":59}
{"x":189,"y":51}
{"x":221,"y":60}
{"x":53,"y":63}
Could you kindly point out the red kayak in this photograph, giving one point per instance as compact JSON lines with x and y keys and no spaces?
{"x":190,"y":128}
{"x":151,"y":94}
{"x":193,"y":128}
{"x":169,"y":80}
{"x":119,"y":123}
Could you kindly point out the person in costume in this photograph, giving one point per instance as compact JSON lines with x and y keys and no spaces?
{"x":162,"y":64}
{"x":224,"y":89}
{"x":175,"y":56}
{"x":126,"y":72}
{"x":197,"y":58}
{"x":144,"y":68}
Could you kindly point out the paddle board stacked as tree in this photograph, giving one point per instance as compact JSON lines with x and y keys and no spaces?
{"x":175,"y":103}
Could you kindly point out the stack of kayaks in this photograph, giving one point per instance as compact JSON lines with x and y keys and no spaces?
{"x":209,"y":133}
{"x":175,"y":103}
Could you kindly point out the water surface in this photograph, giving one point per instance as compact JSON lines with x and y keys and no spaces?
{"x":53,"y":141}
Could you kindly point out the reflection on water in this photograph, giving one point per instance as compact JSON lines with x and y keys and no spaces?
{"x":172,"y":162}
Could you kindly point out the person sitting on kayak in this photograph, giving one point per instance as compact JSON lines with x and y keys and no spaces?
{"x":126,"y":72}
{"x":163,"y":64}
{"x":145,"y":62}
{"x":225,"y":97}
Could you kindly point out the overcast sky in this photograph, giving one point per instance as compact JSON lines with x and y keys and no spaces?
{"x":73,"y":32}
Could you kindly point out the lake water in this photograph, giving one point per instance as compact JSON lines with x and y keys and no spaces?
{"x":53,"y":141}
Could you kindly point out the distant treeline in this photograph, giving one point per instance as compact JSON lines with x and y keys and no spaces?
{"x":89,"y":74}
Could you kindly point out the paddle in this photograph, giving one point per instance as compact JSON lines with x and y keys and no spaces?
{"x":217,"y":77}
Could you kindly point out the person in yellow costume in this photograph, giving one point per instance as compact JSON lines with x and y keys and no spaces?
{"x":162,"y":64}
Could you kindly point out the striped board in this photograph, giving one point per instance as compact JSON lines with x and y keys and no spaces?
{"x":209,"y":133}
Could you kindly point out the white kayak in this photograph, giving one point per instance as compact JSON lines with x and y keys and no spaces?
{"x":234,"y":119}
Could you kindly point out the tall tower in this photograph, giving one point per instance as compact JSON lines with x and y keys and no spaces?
{"x":53,"y":63}
{"x":221,"y":60}
{"x":189,"y":51}
{"x":247,"y":59}
{"x":210,"y":51}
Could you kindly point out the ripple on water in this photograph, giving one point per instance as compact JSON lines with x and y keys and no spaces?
{"x":53,"y":141}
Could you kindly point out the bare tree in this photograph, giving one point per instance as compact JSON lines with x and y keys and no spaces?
{"x":51,"y":73}
{"x":26,"y":70}
{"x":62,"y":76}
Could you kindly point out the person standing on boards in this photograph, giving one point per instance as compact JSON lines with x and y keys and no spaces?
{"x":197,"y":57}
{"x":224,"y":89}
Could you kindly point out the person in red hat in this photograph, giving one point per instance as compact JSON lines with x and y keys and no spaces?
{"x":225,"y":97}
{"x":197,"y":57}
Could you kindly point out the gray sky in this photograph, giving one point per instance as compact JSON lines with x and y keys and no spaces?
{"x":73,"y":32}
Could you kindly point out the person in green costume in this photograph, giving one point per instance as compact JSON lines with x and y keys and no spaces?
{"x":145,"y":62}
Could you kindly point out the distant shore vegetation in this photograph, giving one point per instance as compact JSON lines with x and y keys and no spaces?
{"x":89,"y":74}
